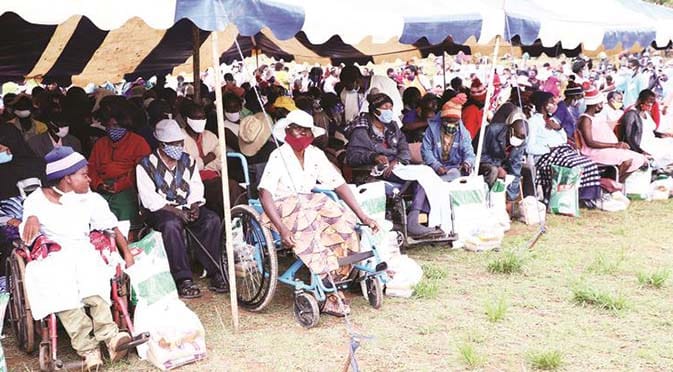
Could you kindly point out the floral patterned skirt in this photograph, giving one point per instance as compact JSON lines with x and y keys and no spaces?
{"x":324,"y":231}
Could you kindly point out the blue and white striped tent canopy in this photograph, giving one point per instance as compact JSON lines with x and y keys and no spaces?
{"x":94,"y":41}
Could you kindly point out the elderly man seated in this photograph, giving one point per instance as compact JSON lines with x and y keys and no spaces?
{"x":447,"y":145}
{"x":504,"y":149}
{"x":74,"y":276}
{"x":171,"y":190}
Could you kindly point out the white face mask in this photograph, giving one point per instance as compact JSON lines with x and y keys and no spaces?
{"x":197,"y":126}
{"x":22,"y":113}
{"x":62,"y":132}
{"x":515,"y":141}
{"x":233,"y":117}
{"x":71,"y":197}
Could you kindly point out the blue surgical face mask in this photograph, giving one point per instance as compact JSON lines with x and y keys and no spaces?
{"x":173,"y":152}
{"x":386,"y":116}
{"x":582,"y":106}
{"x":116,"y":134}
{"x":5,"y":157}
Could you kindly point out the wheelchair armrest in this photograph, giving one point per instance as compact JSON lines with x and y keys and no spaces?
{"x":329,"y":193}
{"x":405,"y":188}
{"x":357,"y":174}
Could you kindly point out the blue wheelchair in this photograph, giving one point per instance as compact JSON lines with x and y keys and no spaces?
{"x":256,"y":251}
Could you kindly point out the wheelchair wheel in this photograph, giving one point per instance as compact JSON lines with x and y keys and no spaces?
{"x":306,"y":311}
{"x":20,"y":316}
{"x":374,"y":291}
{"x":255,"y":259}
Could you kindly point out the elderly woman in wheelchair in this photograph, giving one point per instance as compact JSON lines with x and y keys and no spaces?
{"x":73,"y":277}
{"x":319,"y":230}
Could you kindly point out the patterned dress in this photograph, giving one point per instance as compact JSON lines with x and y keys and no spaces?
{"x":324,"y":230}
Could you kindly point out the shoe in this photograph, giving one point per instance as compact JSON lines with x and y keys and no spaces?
{"x":218,"y":284}
{"x":188,"y":290}
{"x":333,"y":306}
{"x":92,"y":359}
{"x":120,"y":339}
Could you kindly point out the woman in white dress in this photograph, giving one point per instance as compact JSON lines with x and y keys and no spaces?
{"x":319,"y":230}
{"x":75,"y":276}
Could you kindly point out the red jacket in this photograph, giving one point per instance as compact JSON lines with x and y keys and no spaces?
{"x":116,"y":161}
{"x":472,"y":119}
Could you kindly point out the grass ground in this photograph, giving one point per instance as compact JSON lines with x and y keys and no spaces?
{"x":549,"y":315}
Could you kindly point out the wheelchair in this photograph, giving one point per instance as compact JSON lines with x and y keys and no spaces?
{"x":396,"y":208}
{"x":256,"y":251}
{"x":43,"y":334}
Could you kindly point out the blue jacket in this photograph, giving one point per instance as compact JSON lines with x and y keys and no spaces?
{"x":461,"y":150}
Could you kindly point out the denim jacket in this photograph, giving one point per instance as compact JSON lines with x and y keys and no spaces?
{"x":461,"y":150}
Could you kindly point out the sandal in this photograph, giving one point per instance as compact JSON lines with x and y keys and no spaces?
{"x":187,"y":289}
{"x":333,"y":307}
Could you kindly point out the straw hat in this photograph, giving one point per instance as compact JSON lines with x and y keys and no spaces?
{"x":253,"y":133}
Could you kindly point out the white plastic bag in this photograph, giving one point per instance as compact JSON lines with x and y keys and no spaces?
{"x":408,"y":273}
{"x":533,"y":212}
{"x":637,"y":185}
{"x":661,"y":189}
{"x":486,"y":238}
{"x":177,"y":336}
{"x":497,"y":201}
{"x":614,"y":202}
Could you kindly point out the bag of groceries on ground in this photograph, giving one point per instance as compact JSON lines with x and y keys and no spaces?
{"x":564,"y":198}
{"x":637,"y":184}
{"x":177,"y":336}
{"x":475,"y":224}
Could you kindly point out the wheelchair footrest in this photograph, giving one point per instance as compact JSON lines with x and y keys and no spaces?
{"x":354,"y":258}
{"x":135,"y":341}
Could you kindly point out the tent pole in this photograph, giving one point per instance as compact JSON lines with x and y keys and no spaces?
{"x":487,"y":104}
{"x":444,"y":69}
{"x":225,"y":184}
{"x":196,"y":63}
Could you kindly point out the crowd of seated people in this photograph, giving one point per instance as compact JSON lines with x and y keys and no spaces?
{"x":154,"y":157}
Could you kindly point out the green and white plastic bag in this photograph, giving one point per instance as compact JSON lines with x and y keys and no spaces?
{"x":177,"y":336}
{"x":497,"y":201}
{"x":474,"y":223}
{"x":372,"y":199}
{"x":564,"y":197}
{"x":637,"y":184}
{"x":151,"y":277}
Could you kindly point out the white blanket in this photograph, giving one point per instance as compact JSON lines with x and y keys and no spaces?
{"x":435,"y":189}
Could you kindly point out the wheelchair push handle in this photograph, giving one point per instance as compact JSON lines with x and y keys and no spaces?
{"x":244,"y":165}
